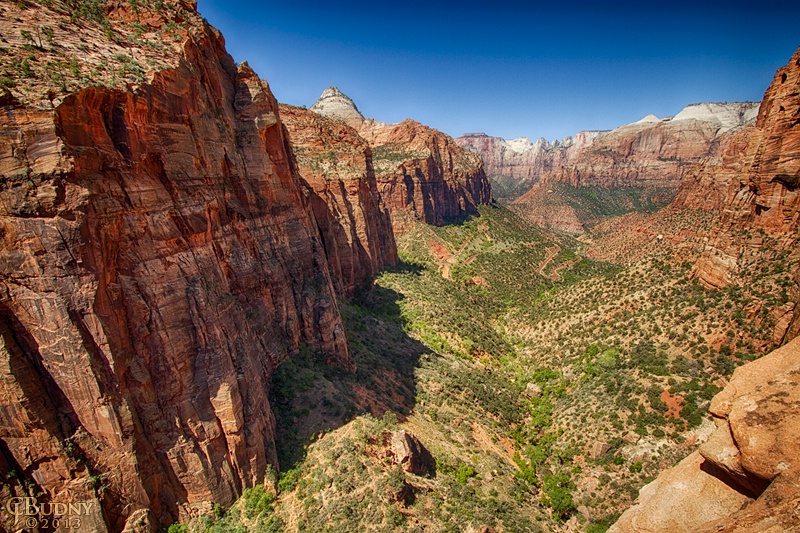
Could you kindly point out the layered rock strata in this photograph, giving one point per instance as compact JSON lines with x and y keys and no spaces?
{"x":422,"y":174}
{"x":642,"y":163}
{"x":160,"y":257}
{"x":754,"y":186}
{"x":745,"y":477}
{"x":334,"y":103}
{"x":514,"y":166}
{"x":337,"y":165}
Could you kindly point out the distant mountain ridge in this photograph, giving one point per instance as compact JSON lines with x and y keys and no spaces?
{"x":515,"y":165}
{"x":637,"y":166}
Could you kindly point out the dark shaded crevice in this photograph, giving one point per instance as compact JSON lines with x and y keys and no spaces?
{"x":752,"y":492}
{"x":788,"y":181}
{"x":115,"y":124}
{"x":47,"y":402}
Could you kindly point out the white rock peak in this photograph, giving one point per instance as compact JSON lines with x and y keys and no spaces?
{"x":728,"y":115}
{"x":649,"y":118}
{"x":519,"y":145}
{"x":334,"y":103}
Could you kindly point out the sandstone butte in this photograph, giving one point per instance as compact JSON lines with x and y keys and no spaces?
{"x":650,"y":158}
{"x":161,"y":255}
{"x":422,"y":174}
{"x":745,"y":477}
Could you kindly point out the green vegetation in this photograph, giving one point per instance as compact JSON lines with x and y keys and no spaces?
{"x":540,"y":380}
{"x":507,"y":188}
{"x":47,"y":61}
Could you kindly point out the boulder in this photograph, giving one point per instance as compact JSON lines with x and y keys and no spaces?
{"x":408,"y":452}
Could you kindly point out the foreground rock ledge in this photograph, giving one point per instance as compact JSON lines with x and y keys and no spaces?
{"x":746,"y":477}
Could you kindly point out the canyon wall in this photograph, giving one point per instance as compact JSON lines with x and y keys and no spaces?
{"x":744,"y":478}
{"x":754,"y":186}
{"x":637,"y":166}
{"x":160,"y":257}
{"x":514,"y":166}
{"x":422,"y":174}
{"x":337,"y":165}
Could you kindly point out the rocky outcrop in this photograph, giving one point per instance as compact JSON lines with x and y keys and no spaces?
{"x":160,"y":258}
{"x":514,"y":166}
{"x":754,"y":187}
{"x":407,"y":451}
{"x":423,"y":175}
{"x":355,"y":225}
{"x":636,"y":166}
{"x":335,"y":104}
{"x":744,"y":478}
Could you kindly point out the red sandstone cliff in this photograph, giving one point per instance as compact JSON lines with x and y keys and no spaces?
{"x":159,"y":259}
{"x":355,"y":225}
{"x":422,"y":174}
{"x":744,"y":478}
{"x":754,"y":186}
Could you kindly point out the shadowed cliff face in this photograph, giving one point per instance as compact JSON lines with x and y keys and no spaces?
{"x":159,"y":260}
{"x":354,"y":222}
{"x":424,"y":175}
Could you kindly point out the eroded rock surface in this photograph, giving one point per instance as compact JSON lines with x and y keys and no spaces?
{"x":354,"y":222}
{"x":633,"y":167}
{"x":422,"y":174}
{"x":745,"y":477}
{"x":408,"y":452}
{"x":514,"y":166}
{"x":160,"y":258}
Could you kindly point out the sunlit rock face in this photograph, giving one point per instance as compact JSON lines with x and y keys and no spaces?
{"x":354,"y":222}
{"x":514,"y":166}
{"x":649,"y":158}
{"x":160,"y":257}
{"x":744,"y":478}
{"x":333,"y":103}
{"x":422,"y":174}
{"x":753,"y":183}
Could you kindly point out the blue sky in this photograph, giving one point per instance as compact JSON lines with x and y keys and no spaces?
{"x":512,"y":68}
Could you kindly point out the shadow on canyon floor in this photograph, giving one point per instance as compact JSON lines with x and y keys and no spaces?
{"x":310,"y":398}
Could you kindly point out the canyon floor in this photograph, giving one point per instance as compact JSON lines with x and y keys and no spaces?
{"x":550,"y":378}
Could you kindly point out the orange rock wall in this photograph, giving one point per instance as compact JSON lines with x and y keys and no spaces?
{"x":354,"y":222}
{"x":755,"y":187}
{"x":424,"y":175}
{"x":159,"y":260}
